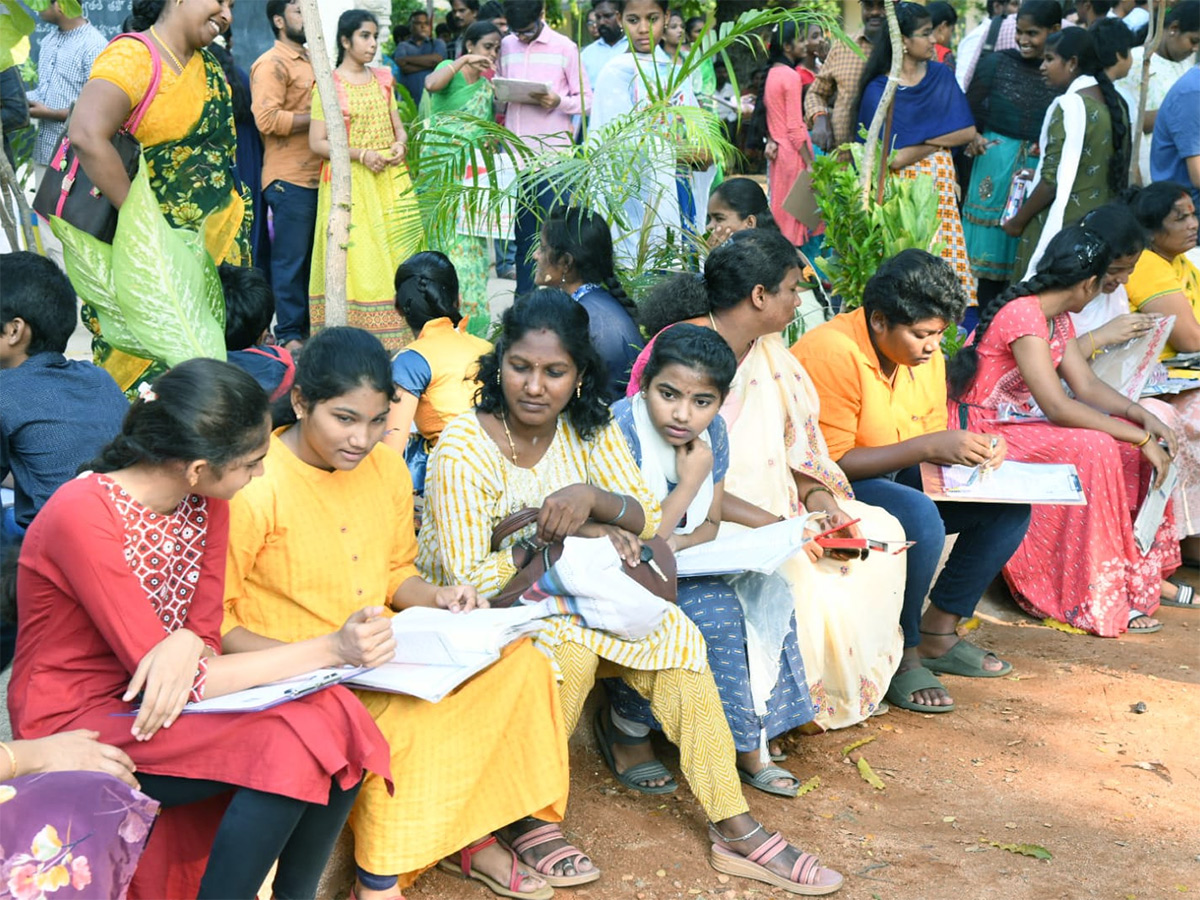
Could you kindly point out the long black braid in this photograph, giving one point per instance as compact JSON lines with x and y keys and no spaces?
{"x":1073,"y":255}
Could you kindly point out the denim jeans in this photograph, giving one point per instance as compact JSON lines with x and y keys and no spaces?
{"x":294,"y":209}
{"x":537,"y":194}
{"x":988,"y":534}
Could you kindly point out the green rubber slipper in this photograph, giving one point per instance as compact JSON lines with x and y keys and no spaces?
{"x":766,"y":775}
{"x":965,"y":659}
{"x":608,"y":734}
{"x":905,"y":684}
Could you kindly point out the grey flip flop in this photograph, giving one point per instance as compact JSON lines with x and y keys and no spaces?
{"x":765,"y":776}
{"x":631,"y":777}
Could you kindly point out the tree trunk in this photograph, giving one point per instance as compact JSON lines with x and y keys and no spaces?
{"x":338,"y":229}
{"x":1153,"y":39}
{"x":881,"y":111}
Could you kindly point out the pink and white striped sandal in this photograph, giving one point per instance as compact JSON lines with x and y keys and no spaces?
{"x":544,"y":834}
{"x":808,"y":876}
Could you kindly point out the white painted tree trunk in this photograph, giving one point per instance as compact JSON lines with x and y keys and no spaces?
{"x":338,"y":228}
{"x":885,"y":103}
{"x":1153,"y":39}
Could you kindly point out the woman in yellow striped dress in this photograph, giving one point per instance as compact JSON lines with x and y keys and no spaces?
{"x":541,"y":436}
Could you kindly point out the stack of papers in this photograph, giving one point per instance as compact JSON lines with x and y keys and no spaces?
{"x":762,"y":550}
{"x":1013,"y":482}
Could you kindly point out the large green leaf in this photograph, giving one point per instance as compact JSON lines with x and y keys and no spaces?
{"x":15,"y":24}
{"x":89,"y":266}
{"x":164,"y":285}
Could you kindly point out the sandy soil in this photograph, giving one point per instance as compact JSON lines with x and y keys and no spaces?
{"x":1051,"y":755}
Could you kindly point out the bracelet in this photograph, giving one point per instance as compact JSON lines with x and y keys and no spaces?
{"x":819,"y":487}
{"x":12,"y":759}
{"x":1093,"y":340}
{"x":624,"y":506}
{"x":1144,"y":441}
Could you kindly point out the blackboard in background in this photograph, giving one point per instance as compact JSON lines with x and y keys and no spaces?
{"x":251,"y":32}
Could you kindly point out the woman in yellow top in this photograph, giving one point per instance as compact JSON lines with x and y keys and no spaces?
{"x":1165,"y":281}
{"x":384,"y":220}
{"x":542,"y":437}
{"x":187,"y":137}
{"x":435,"y":374}
{"x":328,"y":528}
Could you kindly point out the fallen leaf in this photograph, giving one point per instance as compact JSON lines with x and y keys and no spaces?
{"x":971,"y":624}
{"x":868,"y":774}
{"x":947,"y":818}
{"x":1153,"y":766}
{"x":976,"y":849}
{"x":849,"y":747}
{"x":1010,"y":825}
{"x":809,"y":786}
{"x":1035,"y":850}
{"x":1062,"y":626}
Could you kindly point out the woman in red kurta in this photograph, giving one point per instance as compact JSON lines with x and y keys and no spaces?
{"x":122,"y":575}
{"x":782,"y":97}
{"x":1077,"y":564}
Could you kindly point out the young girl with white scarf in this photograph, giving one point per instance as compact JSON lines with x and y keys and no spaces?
{"x":679,"y":441}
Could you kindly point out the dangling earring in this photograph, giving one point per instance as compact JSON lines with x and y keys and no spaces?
{"x":497,"y":376}
{"x":579,"y":390}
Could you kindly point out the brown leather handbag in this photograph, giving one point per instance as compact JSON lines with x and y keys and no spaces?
{"x":548,"y":555}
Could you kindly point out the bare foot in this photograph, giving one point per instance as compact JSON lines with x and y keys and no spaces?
{"x":567,"y":868}
{"x":1142,"y":623}
{"x":496,"y":862}
{"x":751,"y":763}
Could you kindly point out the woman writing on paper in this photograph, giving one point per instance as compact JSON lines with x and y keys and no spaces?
{"x":541,"y":437}
{"x":119,"y":594}
{"x":1105,"y":325}
{"x":679,"y":442}
{"x":779,"y":467}
{"x":329,"y":526}
{"x":1078,"y":564}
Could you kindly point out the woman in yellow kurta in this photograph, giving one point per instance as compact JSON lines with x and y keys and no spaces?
{"x":385,"y":224}
{"x":541,"y":436}
{"x":328,"y":530}
{"x":187,"y":136}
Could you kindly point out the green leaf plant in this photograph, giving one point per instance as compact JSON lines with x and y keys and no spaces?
{"x":155,"y":289}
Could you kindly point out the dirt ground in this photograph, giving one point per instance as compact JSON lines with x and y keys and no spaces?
{"x":1051,"y":755}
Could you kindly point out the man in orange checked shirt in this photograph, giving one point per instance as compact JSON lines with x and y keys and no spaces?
{"x":881,"y":379}
{"x":281,"y":83}
{"x":831,"y":101}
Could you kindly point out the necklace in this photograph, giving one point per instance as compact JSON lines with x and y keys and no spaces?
{"x":170,"y":52}
{"x":512,"y":447}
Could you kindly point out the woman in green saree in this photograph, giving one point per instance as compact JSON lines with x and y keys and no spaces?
{"x":462,"y":86}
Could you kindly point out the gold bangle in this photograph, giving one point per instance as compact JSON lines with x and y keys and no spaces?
{"x":1144,"y":441}
{"x":12,"y":759}
{"x":1093,"y":340}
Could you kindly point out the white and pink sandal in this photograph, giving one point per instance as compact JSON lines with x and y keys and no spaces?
{"x":808,"y":877}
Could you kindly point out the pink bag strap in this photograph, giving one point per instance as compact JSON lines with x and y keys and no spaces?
{"x":135,"y":118}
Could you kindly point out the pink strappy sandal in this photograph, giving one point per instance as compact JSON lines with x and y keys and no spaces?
{"x":808,"y":876}
{"x":544,"y":834}
{"x":464,"y":869}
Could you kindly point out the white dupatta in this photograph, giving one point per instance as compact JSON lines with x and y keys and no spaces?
{"x":658,"y":466}
{"x":1074,"y":124}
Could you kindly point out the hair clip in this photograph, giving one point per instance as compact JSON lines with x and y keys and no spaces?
{"x":146,"y":393}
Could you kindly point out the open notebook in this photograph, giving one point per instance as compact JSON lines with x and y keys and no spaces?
{"x":436,"y":651}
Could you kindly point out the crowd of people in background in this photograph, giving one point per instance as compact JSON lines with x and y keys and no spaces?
{"x":239,"y":521}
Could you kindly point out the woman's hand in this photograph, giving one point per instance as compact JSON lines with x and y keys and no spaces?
{"x":365,"y":639}
{"x":1159,"y":431}
{"x":693,"y":462}
{"x":459,"y":598}
{"x":962,"y":448}
{"x":373,"y":160}
{"x":1157,"y":457}
{"x":164,"y":677}
{"x":979,"y":145}
{"x":81,"y":751}
{"x":1014,"y":227}
{"x":1121,"y":329}
{"x":628,"y":544}
{"x":771,"y":150}
{"x":397,"y":151}
{"x":564,"y":512}
{"x":476,"y":61}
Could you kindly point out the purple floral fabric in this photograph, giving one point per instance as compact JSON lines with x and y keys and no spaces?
{"x":71,"y":836}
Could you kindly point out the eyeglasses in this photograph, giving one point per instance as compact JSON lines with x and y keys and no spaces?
{"x":528,"y":33}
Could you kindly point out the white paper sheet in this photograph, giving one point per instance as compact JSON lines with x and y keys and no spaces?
{"x":517,"y":90}
{"x":1014,"y":482}
{"x":762,"y":550}
{"x":1150,"y":516}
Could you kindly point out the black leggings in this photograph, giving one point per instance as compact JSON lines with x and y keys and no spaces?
{"x":257,"y":829}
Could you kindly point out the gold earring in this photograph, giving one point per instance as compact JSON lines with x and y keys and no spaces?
{"x":579,"y":389}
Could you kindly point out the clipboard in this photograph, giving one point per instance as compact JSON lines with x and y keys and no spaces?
{"x":801,"y":202}
{"x":518,"y":90}
{"x":1044,"y":484}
